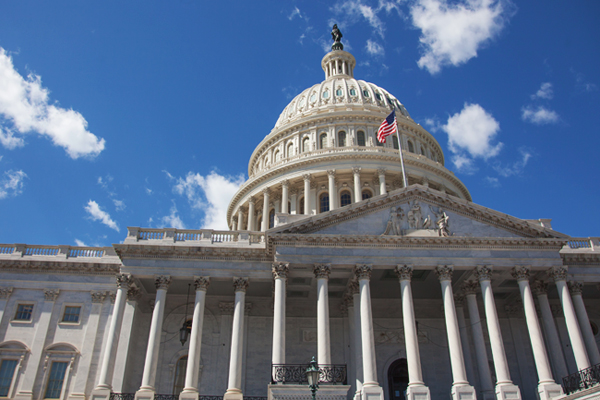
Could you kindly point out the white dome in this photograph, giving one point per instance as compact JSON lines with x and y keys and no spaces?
{"x":339,"y":93}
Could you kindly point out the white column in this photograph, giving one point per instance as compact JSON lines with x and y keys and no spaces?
{"x":294,"y":202}
{"x":460,"y":386}
{"x":280,"y":271}
{"x":307,"y":179}
{"x":332,"y":193}
{"x":470,"y":289}
{"x":234,"y":386}
{"x":547,"y":387}
{"x":357,"y":190}
{"x":114,"y":330}
{"x":147,"y":389}
{"x":354,"y":290}
{"x":251,"y":214}
{"x":285,"y":184}
{"x":584,"y":322}
{"x":5,"y":293}
{"x":27,"y":380}
{"x":559,"y":274}
{"x":322,"y":272}
{"x":459,"y":303}
{"x":558,"y":359}
{"x":190,"y":390}
{"x":504,"y":385}
{"x":265,"y":217}
{"x":371,"y":389}
{"x":416,"y":387}
{"x":122,"y":362}
{"x":382,"y":188}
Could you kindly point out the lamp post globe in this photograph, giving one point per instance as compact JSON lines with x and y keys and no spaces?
{"x":313,"y":374}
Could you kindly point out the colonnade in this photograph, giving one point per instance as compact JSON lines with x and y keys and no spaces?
{"x":361,"y":323}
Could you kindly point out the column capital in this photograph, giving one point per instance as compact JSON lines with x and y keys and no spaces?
{"x":162,"y":281}
{"x":444,"y":272}
{"x":98,"y":296}
{"x":266,"y":191}
{"x":353,"y":287}
{"x":539,"y":287}
{"x":5,"y":292}
{"x":251,"y":200}
{"x":558,"y":273}
{"x":483,"y":273}
{"x":280,"y":270}
{"x":459,"y":300}
{"x":356,"y":170}
{"x":363,"y":271}
{"x":470,"y":287}
{"x":201,"y":282}
{"x":381,"y":171}
{"x":404,"y":272}
{"x":575,"y":288}
{"x":124,"y":280}
{"x":133,"y":293}
{"x":520,"y":273}
{"x":285,"y":183}
{"x":331,"y":172}
{"x":51,"y":294}
{"x":306,"y":177}
{"x":240,"y":284}
{"x":322,"y":271}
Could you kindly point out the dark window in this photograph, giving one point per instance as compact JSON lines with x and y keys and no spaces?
{"x":395,"y":142}
{"x":345,"y":199}
{"x":271,"y":218}
{"x":323,"y":140}
{"x":398,"y":379}
{"x":411,"y":148}
{"x":324,"y":202}
{"x":24,"y":312}
{"x":7,"y":371}
{"x":180,"y":368}
{"x":360,"y":138}
{"x":56,"y":379}
{"x":366,"y":194}
{"x":301,"y":211}
{"x":342,"y":139}
{"x":305,"y":145}
{"x":71,"y":314}
{"x":422,"y":151}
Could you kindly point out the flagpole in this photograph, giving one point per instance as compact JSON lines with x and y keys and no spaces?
{"x":404,"y":180}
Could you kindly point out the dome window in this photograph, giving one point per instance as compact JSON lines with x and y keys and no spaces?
{"x":345,"y":199}
{"x":411,"y":147}
{"x":352,"y":92}
{"x":378,"y":96}
{"x":338,"y":93}
{"x":313,"y":98}
{"x":326,"y":94}
{"x":360,"y":138}
{"x":271,"y":218}
{"x":366,"y":194}
{"x":422,"y":151}
{"x":365,"y":93}
{"x":324,"y":202}
{"x":323,"y":141}
{"x":341,"y":139}
{"x":395,"y":142}
{"x":305,"y":145}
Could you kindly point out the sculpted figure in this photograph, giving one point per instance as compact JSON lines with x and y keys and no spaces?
{"x":336,"y":35}
{"x":414,"y":216}
{"x":442,"y":224}
{"x":394,"y":225}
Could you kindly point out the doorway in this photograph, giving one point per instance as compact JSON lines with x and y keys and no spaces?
{"x":398,"y":379}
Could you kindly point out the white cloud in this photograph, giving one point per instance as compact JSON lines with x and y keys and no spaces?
{"x":119,"y":204}
{"x":295,"y":11}
{"x":80,"y":243}
{"x":470,"y":135}
{"x":493,"y":182}
{"x":11,"y":183}
{"x":516,"y":168}
{"x":172,"y":220}
{"x":451,"y":34}
{"x":148,"y":191}
{"x":539,"y":115}
{"x":544,"y":92}
{"x":97,"y":214}
{"x":352,"y":11}
{"x":25,"y":104}
{"x":209,"y":194}
{"x":374,"y":48}
{"x":9,"y":141}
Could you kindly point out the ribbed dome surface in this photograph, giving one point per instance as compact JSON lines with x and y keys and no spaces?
{"x":335,"y":93}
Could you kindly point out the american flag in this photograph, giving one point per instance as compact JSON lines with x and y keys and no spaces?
{"x":387,"y":127}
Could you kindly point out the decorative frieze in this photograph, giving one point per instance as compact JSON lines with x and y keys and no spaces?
{"x":124,"y":280}
{"x":520,"y":273}
{"x":404,"y":272}
{"x":98,"y":296}
{"x":539,"y":287}
{"x":201,"y":282}
{"x":51,"y":294}
{"x":444,"y":272}
{"x":280,"y":270}
{"x":240,"y":284}
{"x":226,"y":308}
{"x":557,"y":273}
{"x":5,"y":292}
{"x":470,"y":287}
{"x":322,"y":271}
{"x":483,"y":273}
{"x":363,"y":271}
{"x":575,"y":288}
{"x":162,"y":282}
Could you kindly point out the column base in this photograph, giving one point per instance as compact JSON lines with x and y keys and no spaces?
{"x":372,"y":393}
{"x":100,"y":393}
{"x":76,"y":396}
{"x":546,"y":391}
{"x":234,"y":394}
{"x":189,"y":395}
{"x":508,"y":392}
{"x":463,"y":392}
{"x":24,"y":395}
{"x":145,"y":394}
{"x":418,"y":393}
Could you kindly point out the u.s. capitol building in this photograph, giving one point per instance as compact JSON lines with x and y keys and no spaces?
{"x":397,"y":290}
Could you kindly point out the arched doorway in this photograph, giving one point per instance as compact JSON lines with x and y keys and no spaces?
{"x":398,"y":379}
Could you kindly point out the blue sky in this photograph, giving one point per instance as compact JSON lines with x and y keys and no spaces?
{"x":145,"y":113}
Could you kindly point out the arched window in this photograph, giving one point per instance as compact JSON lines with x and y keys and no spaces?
{"x":422,"y":151}
{"x":360,"y":138}
{"x":301,"y":211}
{"x":271,"y":218}
{"x":411,"y":147}
{"x":395,"y":142}
{"x":179,"y":382}
{"x":290,"y":150}
{"x":56,"y":378}
{"x":276,"y":156}
{"x":398,"y":379}
{"x":366,"y":194}
{"x":341,"y":138}
{"x":324,"y":202}
{"x":323,"y":140}
{"x":345,"y":199}
{"x":305,"y":145}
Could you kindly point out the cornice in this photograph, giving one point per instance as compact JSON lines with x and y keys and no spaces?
{"x":581,"y":258}
{"x":72,"y":268}
{"x":192,"y":253}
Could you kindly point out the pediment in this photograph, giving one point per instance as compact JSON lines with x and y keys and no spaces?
{"x":417,"y":211}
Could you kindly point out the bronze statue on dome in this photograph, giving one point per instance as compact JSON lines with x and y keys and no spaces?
{"x":336,"y":35}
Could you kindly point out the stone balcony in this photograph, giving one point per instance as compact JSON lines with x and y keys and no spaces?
{"x":190,"y":237}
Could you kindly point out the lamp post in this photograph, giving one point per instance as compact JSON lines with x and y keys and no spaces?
{"x":313,"y":373}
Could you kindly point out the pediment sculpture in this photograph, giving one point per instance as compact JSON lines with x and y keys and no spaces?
{"x":420,"y":219}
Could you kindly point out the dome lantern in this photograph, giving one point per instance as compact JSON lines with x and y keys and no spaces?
{"x":338,"y":62}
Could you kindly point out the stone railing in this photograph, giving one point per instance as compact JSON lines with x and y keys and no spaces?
{"x":591,"y":243}
{"x":203,"y":236}
{"x":61,"y":252}
{"x":296,"y":374}
{"x":131,"y":396}
{"x":584,"y":379}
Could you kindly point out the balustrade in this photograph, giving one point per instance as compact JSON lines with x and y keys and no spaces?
{"x":7,"y":249}
{"x":40,"y":251}
{"x":580,"y":244}
{"x":85,"y":253}
{"x":584,"y":379}
{"x":296,"y":374}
